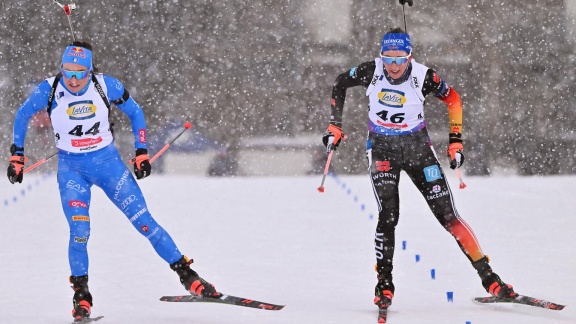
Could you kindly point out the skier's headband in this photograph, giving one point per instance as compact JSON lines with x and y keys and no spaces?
{"x":396,"y":41}
{"x":78,"y":55}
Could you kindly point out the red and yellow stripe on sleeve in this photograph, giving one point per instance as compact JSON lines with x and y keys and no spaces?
{"x":452,"y":99}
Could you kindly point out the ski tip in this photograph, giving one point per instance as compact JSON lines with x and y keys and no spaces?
{"x":557,"y":307}
{"x":169,"y":298}
{"x":88,"y":320}
{"x":520,"y":299}
{"x":270,"y":306}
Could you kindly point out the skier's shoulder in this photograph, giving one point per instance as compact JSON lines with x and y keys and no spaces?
{"x":114,"y":87}
{"x":42,"y":90}
{"x":108,"y":79}
{"x":363,"y":71}
{"x":419,"y":67}
{"x":368,"y":66}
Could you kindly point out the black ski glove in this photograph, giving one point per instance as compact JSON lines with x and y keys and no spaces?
{"x":16,"y":166}
{"x":142,"y":166}
{"x":336,"y":133}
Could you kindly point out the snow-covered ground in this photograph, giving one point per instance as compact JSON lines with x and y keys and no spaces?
{"x":279,"y":240}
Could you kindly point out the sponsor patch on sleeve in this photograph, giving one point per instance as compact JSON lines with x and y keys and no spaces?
{"x":353,"y":71}
{"x":142,"y":135}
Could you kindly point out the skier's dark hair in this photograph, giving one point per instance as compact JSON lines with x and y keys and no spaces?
{"x":396,"y":30}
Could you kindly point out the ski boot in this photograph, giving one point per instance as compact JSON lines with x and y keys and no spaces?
{"x":82,"y":300}
{"x":192,"y":281}
{"x":491,"y":281}
{"x":384,"y":292}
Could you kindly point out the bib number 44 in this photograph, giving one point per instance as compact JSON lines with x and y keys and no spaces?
{"x":77,"y":131}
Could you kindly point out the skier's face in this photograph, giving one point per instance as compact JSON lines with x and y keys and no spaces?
{"x":396,"y":62}
{"x":75,"y":81}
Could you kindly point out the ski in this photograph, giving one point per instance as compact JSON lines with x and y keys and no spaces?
{"x":224,"y":299}
{"x":520,"y":299}
{"x":88,"y":320}
{"x":382,"y":315}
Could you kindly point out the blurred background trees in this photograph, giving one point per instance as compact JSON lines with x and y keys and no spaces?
{"x":243,"y":68}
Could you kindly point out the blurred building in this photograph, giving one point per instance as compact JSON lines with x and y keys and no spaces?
{"x":265,"y":68}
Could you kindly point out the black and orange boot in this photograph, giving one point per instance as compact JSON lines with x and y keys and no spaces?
{"x":384,"y":292}
{"x":82,"y":300}
{"x":491,"y":281}
{"x":192,"y":281}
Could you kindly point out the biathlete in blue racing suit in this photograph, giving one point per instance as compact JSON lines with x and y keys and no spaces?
{"x":78,"y":101}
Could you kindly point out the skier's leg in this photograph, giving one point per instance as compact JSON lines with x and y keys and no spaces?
{"x":120,"y":186}
{"x":75,"y":199}
{"x":425,"y":171}
{"x":384,"y":165}
{"x":427,"y":175}
{"x":431,"y":181}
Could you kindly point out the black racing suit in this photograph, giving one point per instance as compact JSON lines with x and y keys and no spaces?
{"x":413,"y":153}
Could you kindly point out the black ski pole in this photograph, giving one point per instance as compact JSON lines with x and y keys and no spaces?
{"x":410,"y":3}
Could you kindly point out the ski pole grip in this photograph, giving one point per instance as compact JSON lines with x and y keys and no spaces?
{"x":330,"y":146}
{"x":68,"y":9}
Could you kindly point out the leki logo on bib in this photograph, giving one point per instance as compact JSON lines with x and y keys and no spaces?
{"x":391,"y":98}
{"x":81,"y":110}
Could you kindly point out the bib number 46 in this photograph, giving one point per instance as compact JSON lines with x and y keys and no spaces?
{"x":396,"y":118}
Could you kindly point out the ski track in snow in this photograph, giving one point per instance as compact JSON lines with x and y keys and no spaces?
{"x":277,"y":239}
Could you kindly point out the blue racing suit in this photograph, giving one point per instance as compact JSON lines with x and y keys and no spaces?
{"x":87,"y":156}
